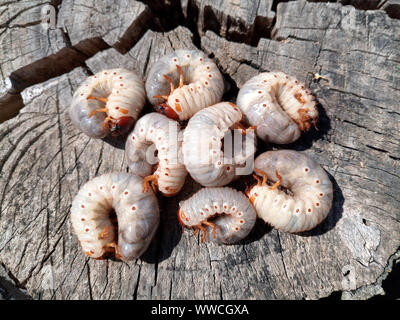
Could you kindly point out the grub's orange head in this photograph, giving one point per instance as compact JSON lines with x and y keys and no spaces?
{"x":122,"y":126}
{"x":165,"y":109}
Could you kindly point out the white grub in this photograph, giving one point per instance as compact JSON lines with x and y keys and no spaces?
{"x":108,"y":102}
{"x":184,"y":82}
{"x":203,"y":153}
{"x":155,"y":133}
{"x":137,"y":214}
{"x":278,"y":105}
{"x":311,"y":191}
{"x":224,"y":215}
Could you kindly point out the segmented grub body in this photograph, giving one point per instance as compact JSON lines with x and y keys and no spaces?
{"x":224,"y":215}
{"x":109,"y":101}
{"x":311,"y":191}
{"x":187,"y":80}
{"x":137,"y":214}
{"x":155,"y":132}
{"x":202,"y":146}
{"x":278,"y":105}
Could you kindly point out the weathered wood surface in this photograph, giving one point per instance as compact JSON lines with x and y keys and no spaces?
{"x":44,"y":160}
{"x":359,"y":131}
{"x":23,"y":39}
{"x":118,"y":23}
{"x":43,"y":39}
{"x":236,"y":20}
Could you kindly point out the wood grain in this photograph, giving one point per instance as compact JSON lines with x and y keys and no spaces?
{"x":236,"y":20}
{"x":23,"y":38}
{"x":76,"y":30}
{"x":348,"y":57}
{"x":118,"y":23}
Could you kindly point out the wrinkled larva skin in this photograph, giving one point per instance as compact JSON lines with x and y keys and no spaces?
{"x":204,"y":84}
{"x":312,"y":191}
{"x":155,"y":128}
{"x":125,"y":94}
{"x":137,"y":214}
{"x":278,"y":105}
{"x":236,"y":215}
{"x":202,"y":145}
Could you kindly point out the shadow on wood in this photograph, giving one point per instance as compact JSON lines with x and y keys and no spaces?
{"x":260,"y":229}
{"x":116,"y":142}
{"x":168,"y":235}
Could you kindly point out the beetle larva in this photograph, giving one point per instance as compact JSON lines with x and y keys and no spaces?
{"x":156,"y":130}
{"x":184,"y":82}
{"x":109,"y":101}
{"x":278,"y":105}
{"x":232,"y":214}
{"x":202,"y":145}
{"x":311,"y":191}
{"x":137,"y":214}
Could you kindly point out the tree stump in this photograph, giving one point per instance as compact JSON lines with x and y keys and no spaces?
{"x":348,"y":57}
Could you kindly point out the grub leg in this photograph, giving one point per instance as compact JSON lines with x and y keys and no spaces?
{"x":146,"y":183}
{"x":104,"y":100}
{"x":98,"y":110}
{"x":180,"y":75}
{"x":160,"y":97}
{"x":210,"y":224}
{"x":262,"y":174}
{"x":204,"y":230}
{"x":105,"y":233}
{"x":170,"y":82}
{"x":278,"y":183}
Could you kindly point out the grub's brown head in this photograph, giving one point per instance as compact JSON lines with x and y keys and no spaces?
{"x":165,"y":109}
{"x":122,"y":126}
